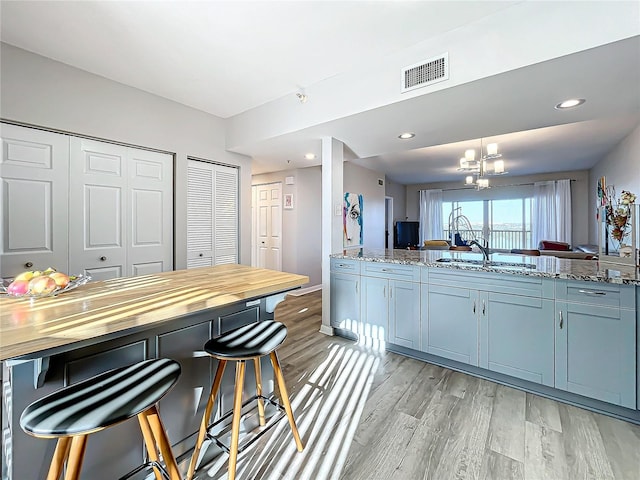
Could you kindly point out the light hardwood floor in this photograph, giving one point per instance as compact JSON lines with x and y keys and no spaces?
{"x":365,"y":414}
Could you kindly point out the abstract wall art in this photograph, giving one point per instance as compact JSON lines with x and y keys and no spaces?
{"x":352,"y":220}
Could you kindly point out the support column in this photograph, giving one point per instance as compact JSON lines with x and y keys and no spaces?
{"x":332,"y":193}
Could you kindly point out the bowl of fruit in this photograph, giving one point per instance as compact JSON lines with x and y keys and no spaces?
{"x":45,"y":283}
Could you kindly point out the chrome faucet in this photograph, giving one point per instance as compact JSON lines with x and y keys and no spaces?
{"x":483,"y":249}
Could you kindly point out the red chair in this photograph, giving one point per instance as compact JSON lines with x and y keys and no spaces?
{"x":553,"y":245}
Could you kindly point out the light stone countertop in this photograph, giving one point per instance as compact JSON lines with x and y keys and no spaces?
{"x":543,"y":266}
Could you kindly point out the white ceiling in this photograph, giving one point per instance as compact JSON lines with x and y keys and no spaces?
{"x":229,"y":57}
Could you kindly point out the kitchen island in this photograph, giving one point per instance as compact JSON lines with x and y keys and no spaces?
{"x":48,"y":343}
{"x":563,"y":328}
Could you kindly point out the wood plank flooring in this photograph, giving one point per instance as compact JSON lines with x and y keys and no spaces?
{"x":364,"y":414}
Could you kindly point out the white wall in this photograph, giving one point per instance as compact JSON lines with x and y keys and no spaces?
{"x":579,"y":196}
{"x":621,"y":168}
{"x":301,"y":238}
{"x":364,"y":181}
{"x":399,"y":194}
{"x":42,"y":92}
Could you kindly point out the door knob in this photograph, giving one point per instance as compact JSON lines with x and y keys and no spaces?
{"x":102,"y":259}
{"x":28,"y":264}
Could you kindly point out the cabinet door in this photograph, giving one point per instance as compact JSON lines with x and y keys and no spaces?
{"x":404,"y":314}
{"x":345,"y":302}
{"x":33,"y":200}
{"x":183,"y":407}
{"x":97,"y":212}
{"x":150,"y":212}
{"x":595,"y":352}
{"x":375,"y":309}
{"x":517,"y":336}
{"x":453,"y":323}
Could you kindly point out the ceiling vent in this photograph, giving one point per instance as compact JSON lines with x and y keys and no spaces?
{"x":425,"y":73}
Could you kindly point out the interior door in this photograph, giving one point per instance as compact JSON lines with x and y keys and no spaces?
{"x":269,"y":225}
{"x":33,"y":200}
{"x":150,"y":206}
{"x":97,"y":225}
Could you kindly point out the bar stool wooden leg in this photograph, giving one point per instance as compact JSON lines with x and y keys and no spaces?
{"x":206,"y":418}
{"x":256,"y":363}
{"x":235,"y":423}
{"x":149,"y":441}
{"x":59,"y":457}
{"x":161,"y":440}
{"x":285,"y":399}
{"x":76,"y":454}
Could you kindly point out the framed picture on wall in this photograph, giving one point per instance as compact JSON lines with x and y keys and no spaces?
{"x":288,"y":201}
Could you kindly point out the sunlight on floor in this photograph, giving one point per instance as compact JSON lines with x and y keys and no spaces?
{"x":328,"y":403}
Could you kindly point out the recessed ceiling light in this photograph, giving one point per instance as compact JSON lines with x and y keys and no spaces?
{"x":406,"y":135}
{"x":574,"y":102}
{"x":309,"y":156}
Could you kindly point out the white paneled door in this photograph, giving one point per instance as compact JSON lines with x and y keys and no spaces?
{"x":120,"y":210}
{"x":212,"y":214}
{"x":268,"y":228}
{"x":33,"y":200}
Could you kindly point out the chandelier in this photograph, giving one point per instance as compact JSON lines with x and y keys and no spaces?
{"x":480,"y":169}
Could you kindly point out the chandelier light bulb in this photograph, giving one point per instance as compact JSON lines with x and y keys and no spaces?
{"x":498,"y":166}
{"x":492,"y":149}
{"x":468,"y":180}
{"x":470,"y":155}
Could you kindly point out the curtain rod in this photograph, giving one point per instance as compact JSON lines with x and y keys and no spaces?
{"x":500,"y":186}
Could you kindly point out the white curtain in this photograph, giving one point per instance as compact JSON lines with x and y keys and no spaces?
{"x":431,"y":215}
{"x":563,"y":211}
{"x":551,"y":212}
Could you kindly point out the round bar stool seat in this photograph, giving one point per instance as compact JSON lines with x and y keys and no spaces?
{"x":253,"y":340}
{"x":72,"y":413}
{"x":249,"y":342}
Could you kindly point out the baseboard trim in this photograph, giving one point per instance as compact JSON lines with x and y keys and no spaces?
{"x":303,"y":291}
{"x":327,"y":330}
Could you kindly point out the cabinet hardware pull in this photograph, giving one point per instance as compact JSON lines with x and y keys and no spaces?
{"x":474,"y":306}
{"x":387,"y":270}
{"x":561,"y":321}
{"x":103,"y":258}
{"x":357,"y":287}
{"x":483,"y":307}
{"x":592,"y":292}
{"x":384,"y":292}
{"x":28,"y":264}
{"x":390,"y":292}
{"x":201,"y":255}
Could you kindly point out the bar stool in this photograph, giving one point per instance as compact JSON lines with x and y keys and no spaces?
{"x":72,"y":413}
{"x":250,"y":342}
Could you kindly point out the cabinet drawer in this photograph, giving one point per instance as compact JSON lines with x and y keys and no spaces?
{"x":525,"y":285}
{"x":392,"y":271}
{"x":596,"y":293}
{"x":346,"y":266}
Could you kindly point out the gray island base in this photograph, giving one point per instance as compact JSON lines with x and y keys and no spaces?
{"x":565,"y":329}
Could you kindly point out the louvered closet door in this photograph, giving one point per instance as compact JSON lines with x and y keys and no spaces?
{"x":212,"y":214}
{"x":34,"y":190}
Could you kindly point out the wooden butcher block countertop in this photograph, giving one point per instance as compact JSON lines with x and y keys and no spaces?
{"x":106,"y":307}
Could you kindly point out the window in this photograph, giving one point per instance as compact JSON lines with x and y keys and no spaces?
{"x":505,"y":223}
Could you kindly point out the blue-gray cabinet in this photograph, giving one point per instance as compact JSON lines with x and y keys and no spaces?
{"x":452,"y":324}
{"x":345,"y":295}
{"x":596,"y":341}
{"x":391,"y":303}
{"x":517,"y":335}
{"x":404,"y":314}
